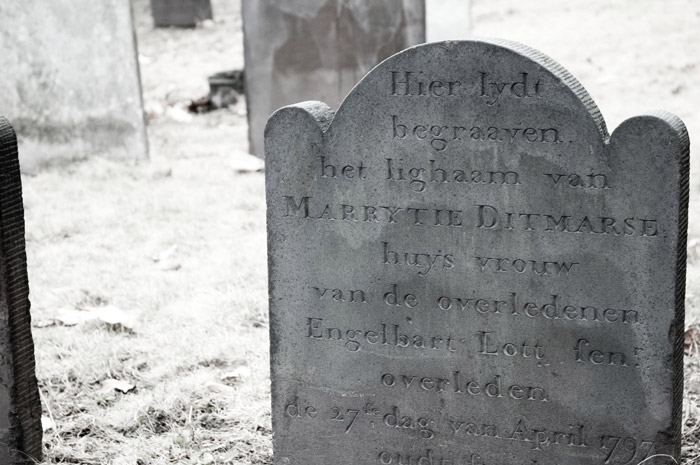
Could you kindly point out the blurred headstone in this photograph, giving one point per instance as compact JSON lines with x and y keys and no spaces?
{"x":447,"y":19}
{"x":20,"y":407}
{"x":466,"y":268}
{"x":180,"y":13}
{"x":71,"y":80}
{"x":318,"y":49}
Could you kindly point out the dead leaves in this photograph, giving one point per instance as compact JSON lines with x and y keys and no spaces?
{"x":691,"y":341}
{"x":107,"y":316}
{"x":109,"y":386}
{"x":167,"y":260}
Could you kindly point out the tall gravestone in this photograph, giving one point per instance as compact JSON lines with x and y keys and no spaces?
{"x":318,"y":49}
{"x":71,"y":80}
{"x":20,"y":407}
{"x":467,"y":269}
{"x":180,"y":13}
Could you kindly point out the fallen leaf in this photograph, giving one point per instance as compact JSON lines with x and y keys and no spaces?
{"x":168,"y":253}
{"x":691,"y":341}
{"x":47,"y":423}
{"x":229,"y":456}
{"x":236,"y":374}
{"x":169,"y":265}
{"x":242,"y":162}
{"x":219,"y":388}
{"x":206,"y":459}
{"x":45,"y":323}
{"x":110,"y":385}
{"x":115,"y":316}
{"x":72,"y":317}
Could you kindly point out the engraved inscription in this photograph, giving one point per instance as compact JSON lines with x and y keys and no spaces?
{"x":518,"y":265}
{"x":384,"y":334}
{"x":489,"y":217}
{"x":522,"y":87}
{"x":424,"y":262}
{"x":486,"y":217}
{"x":489,"y":346}
{"x":329,"y":170}
{"x":490,"y":88}
{"x":418,"y":177}
{"x":457,"y":383}
{"x":553,"y":310}
{"x":341,"y":295}
{"x":591,"y":181}
{"x":439,"y":136}
{"x":410,"y":83}
{"x":597,"y":357}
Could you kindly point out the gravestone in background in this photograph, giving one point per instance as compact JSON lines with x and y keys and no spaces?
{"x":20,"y":407}
{"x":318,"y":49}
{"x":447,"y":19}
{"x":180,"y":13}
{"x":71,"y":80}
{"x":466,"y":269}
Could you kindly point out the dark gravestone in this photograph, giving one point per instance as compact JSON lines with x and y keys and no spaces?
{"x":20,"y":407}
{"x":466,"y":269}
{"x":180,"y":13}
{"x":318,"y":49}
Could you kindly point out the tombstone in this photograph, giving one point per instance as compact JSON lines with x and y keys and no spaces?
{"x":180,"y":13}
{"x":20,"y":407}
{"x":465,"y":268}
{"x":71,"y":81}
{"x":447,"y":19}
{"x":318,"y":49}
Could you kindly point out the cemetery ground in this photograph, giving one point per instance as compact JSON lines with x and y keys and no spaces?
{"x":148,"y":282}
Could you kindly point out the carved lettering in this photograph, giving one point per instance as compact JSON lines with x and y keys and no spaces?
{"x":553,"y":310}
{"x":489,"y":217}
{"x":385,"y":334}
{"x":418,"y":177}
{"x":590,"y":181}
{"x":457,"y":383}
{"x":522,"y":87}
{"x":329,"y":170}
{"x":424,"y":262}
{"x":518,"y":265}
{"x":439,"y":136}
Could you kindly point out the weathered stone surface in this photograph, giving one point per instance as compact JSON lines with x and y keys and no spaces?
{"x":20,"y":407}
{"x":180,"y":13}
{"x":465,"y":268}
{"x":71,"y":80}
{"x":447,"y":19}
{"x":318,"y":49}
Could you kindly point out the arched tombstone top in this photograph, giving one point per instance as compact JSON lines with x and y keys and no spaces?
{"x":463,"y":243}
{"x":477,"y":75}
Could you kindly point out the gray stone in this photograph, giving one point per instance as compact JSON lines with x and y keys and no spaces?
{"x":447,"y":19}
{"x":71,"y":80}
{"x":20,"y":407}
{"x":466,"y":269}
{"x":180,"y":13}
{"x":318,"y":49}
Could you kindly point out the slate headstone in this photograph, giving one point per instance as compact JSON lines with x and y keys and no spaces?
{"x":180,"y":13}
{"x":467,"y":269}
{"x":70,"y":81}
{"x":318,"y":49}
{"x":20,"y":407}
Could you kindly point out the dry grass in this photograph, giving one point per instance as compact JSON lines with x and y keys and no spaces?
{"x":200,"y":312}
